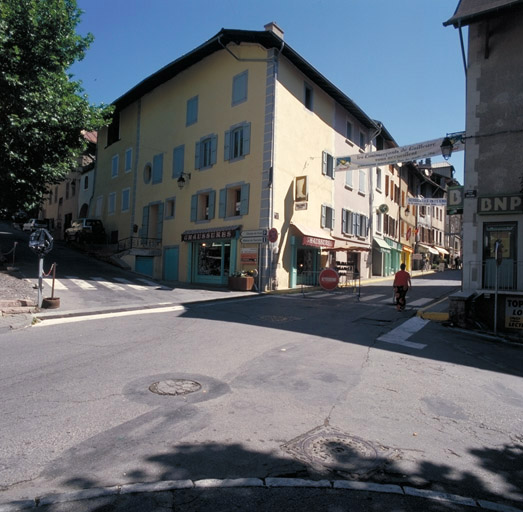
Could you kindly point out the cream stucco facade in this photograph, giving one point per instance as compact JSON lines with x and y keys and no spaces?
{"x":253,"y":132}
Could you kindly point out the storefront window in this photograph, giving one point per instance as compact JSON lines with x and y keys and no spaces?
{"x":306,"y":262}
{"x":214,"y":258}
{"x":502,"y":235}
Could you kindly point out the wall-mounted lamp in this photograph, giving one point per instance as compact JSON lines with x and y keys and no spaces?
{"x":182,"y":179}
{"x":446,"y":148}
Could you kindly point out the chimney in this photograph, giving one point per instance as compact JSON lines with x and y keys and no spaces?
{"x":273,"y":27}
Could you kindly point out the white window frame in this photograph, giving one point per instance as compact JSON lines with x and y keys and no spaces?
{"x":362,"y":185}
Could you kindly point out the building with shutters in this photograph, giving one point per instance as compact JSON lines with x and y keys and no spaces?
{"x":493,"y":185}
{"x":231,"y":140}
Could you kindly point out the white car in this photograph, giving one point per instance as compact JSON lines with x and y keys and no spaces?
{"x":34,"y":224}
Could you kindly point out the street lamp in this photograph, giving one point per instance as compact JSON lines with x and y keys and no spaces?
{"x":182,"y":179}
{"x":446,"y":148}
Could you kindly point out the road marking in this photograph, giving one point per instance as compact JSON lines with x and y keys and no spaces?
{"x":84,"y":285}
{"x":400,"y":334}
{"x":421,"y":302}
{"x":58,"y":285}
{"x":108,"y":284}
{"x":130,"y":284}
{"x":152,"y":283}
{"x":44,"y":322}
{"x":372,"y":297}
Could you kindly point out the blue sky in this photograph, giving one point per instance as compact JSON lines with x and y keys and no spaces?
{"x":393,"y":58}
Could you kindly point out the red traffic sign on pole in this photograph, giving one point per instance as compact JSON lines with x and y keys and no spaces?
{"x":329,"y":279}
{"x":273,"y":235}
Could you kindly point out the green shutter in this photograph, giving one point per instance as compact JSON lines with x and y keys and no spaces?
{"x":246,"y":138}
{"x":212,"y":201}
{"x":214,"y":148}
{"x":145,"y":222}
{"x":159,"y":227}
{"x":244,"y":202}
{"x":194,"y":208}
{"x":197,"y":156}
{"x":178,"y":161}
{"x":227,"y":146}
{"x":222,"y":204}
{"x":158,"y":168}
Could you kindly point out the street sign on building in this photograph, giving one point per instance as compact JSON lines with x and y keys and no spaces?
{"x":253,"y":232}
{"x":253,"y":239}
{"x":427,"y":201}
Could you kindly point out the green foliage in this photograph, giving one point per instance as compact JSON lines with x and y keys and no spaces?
{"x":43,"y":111}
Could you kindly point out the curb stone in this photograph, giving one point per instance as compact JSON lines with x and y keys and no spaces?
{"x":173,"y":485}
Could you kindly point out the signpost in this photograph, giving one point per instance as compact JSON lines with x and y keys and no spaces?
{"x":273,"y":235}
{"x":41,"y":243}
{"x":329,"y":279}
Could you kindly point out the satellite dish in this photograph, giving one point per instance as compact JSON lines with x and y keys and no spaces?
{"x":383,"y":208}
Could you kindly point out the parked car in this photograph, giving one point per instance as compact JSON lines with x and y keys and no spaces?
{"x":34,"y":224}
{"x":85,"y":230}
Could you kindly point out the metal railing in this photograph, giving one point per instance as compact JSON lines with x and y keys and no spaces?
{"x":349,"y":283}
{"x":139,"y":242}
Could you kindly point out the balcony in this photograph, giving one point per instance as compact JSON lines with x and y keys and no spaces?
{"x":138,"y":244}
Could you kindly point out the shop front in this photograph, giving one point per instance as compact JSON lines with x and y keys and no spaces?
{"x":350,"y":260}
{"x":395,"y":254}
{"x":381,"y":258}
{"x":429,"y":254}
{"x":406,"y":256}
{"x":307,"y":255}
{"x":211,"y":254}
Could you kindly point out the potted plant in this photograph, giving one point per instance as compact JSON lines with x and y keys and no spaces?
{"x":242,"y":280}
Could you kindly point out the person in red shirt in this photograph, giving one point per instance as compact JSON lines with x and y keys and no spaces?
{"x":401,"y":284}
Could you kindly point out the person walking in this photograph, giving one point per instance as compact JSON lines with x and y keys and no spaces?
{"x":401,"y":284}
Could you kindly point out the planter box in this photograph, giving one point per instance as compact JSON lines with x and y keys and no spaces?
{"x":242,"y":284}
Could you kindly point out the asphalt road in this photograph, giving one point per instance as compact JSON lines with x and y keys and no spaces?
{"x":291,"y":386}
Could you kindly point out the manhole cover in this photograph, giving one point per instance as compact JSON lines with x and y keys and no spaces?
{"x":175,"y":387}
{"x":329,"y":449}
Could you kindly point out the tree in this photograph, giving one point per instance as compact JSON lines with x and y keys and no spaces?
{"x":43,"y":111}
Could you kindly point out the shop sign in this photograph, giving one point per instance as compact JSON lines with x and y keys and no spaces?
{"x":514,"y":312}
{"x":208,"y":235}
{"x":500,"y":204}
{"x":249,"y":255}
{"x":313,"y":241}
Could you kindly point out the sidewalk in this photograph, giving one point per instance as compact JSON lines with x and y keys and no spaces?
{"x":256,"y":495}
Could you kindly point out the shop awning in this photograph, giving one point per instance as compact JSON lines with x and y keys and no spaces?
{"x":441,"y":250}
{"x":314,"y":237}
{"x":383,"y":246}
{"x":193,"y":235}
{"x":350,"y":248}
{"x":427,"y":248}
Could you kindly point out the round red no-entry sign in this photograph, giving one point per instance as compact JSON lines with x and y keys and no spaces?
{"x":329,"y":279}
